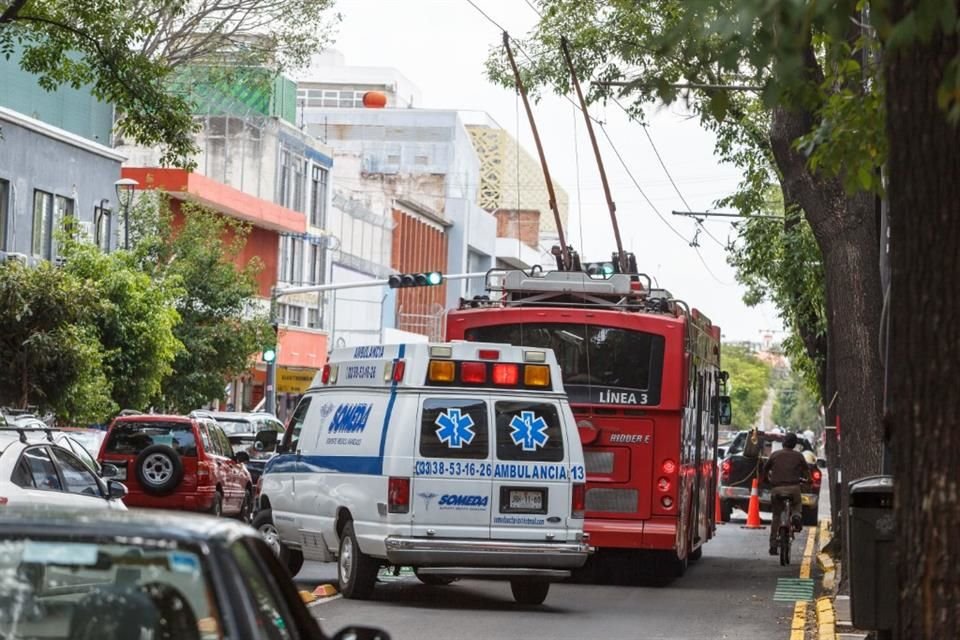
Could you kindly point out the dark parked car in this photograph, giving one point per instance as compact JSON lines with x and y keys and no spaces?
{"x":178,"y":462}
{"x":737,"y":472}
{"x":121,"y":575}
{"x":255,"y":434}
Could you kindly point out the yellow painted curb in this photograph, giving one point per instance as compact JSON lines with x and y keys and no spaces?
{"x":325,"y":591}
{"x":307,"y":597}
{"x":808,"y":555}
{"x":826,"y":619}
{"x":799,"y":623}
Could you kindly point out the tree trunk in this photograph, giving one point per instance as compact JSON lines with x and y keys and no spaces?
{"x":924,"y":193}
{"x":845,"y":227}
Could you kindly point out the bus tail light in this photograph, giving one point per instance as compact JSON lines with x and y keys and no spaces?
{"x":473,"y":372}
{"x":663,"y":484}
{"x":669,"y":466}
{"x":507,"y":375}
{"x":536,"y":375}
{"x":667,"y":502}
{"x":441,"y":371}
{"x":578,"y":500}
{"x":398,"y":495}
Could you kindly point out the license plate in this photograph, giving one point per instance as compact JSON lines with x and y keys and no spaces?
{"x":526,"y":500}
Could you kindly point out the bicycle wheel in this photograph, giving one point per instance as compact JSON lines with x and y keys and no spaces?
{"x":784,"y":545}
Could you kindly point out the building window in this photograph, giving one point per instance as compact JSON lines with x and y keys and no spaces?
{"x":101,"y":228}
{"x":4,"y":211}
{"x":42,"y":215}
{"x":298,"y":179}
{"x":313,"y":318}
{"x":291,"y":260}
{"x":318,"y":196}
{"x":284,"y":177}
{"x":331,"y":98}
{"x":315,"y":265}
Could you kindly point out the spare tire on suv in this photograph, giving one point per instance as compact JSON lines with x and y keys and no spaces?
{"x":159,"y":469}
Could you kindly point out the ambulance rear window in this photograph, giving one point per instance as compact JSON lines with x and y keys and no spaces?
{"x":454,"y":428}
{"x":529,"y":432}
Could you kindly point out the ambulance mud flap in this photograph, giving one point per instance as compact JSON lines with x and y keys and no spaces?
{"x":315,"y":546}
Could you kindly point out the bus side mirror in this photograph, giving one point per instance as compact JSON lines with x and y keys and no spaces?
{"x":726,"y":410}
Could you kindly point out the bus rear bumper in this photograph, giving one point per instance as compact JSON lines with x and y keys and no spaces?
{"x":657,"y":532}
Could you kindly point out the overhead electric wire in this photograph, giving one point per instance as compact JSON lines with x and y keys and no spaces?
{"x":663,"y":165}
{"x":617,"y":153}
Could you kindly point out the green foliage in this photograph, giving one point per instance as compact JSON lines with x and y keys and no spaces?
{"x":219,"y":329}
{"x":50,"y":353}
{"x":94,"y":42}
{"x":795,"y":407}
{"x":134,"y":321}
{"x":749,"y":384}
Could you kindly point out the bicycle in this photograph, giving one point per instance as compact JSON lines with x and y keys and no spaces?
{"x":785,"y":533}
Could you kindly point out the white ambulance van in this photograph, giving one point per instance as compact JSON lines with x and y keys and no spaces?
{"x":459,"y":459}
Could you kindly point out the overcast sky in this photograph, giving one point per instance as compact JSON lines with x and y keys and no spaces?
{"x":440,"y":45}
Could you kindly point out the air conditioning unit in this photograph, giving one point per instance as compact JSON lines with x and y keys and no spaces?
{"x":19,"y":257}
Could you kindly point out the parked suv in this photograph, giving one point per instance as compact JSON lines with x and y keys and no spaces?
{"x":178,"y":462}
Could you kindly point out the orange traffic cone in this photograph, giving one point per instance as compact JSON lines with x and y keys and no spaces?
{"x":753,"y":511}
{"x":717,"y":511}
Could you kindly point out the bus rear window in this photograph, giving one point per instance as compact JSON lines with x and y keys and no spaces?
{"x":130,"y":438}
{"x":589,"y":354}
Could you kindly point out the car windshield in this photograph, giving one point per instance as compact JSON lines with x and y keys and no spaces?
{"x":231,"y":426}
{"x":90,"y":440}
{"x":737,"y":446}
{"x":54,"y":588}
{"x":130,"y":438}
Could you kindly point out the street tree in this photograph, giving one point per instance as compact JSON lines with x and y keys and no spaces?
{"x":805,"y":122}
{"x":220,"y":325}
{"x":51,"y":355}
{"x":749,"y":384}
{"x":134,"y":320}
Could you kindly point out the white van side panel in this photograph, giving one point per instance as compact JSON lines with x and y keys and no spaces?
{"x":345,"y":463}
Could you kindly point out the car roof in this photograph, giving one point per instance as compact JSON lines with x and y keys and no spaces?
{"x":154,"y":417}
{"x":237,"y":415}
{"x":152,"y":524}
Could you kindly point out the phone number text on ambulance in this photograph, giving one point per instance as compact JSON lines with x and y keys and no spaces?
{"x":501,"y":470}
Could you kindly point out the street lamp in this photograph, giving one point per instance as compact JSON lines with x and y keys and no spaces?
{"x":125,"y":188}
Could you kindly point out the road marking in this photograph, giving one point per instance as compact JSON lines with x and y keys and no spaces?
{"x":808,"y":553}
{"x":797,"y":628}
{"x":793,"y":589}
{"x":324,"y":600}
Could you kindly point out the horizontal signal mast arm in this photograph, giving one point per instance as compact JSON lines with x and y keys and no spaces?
{"x":290,"y":291}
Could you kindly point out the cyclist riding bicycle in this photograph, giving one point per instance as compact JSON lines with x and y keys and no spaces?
{"x":786,"y":470}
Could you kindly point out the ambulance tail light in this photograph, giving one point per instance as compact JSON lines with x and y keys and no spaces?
{"x":578,"y":500}
{"x":506,"y":375}
{"x":442,"y":371}
{"x":329,"y":374}
{"x":488,"y":354}
{"x":473,"y":372}
{"x":398,"y":495}
{"x":536,"y":375}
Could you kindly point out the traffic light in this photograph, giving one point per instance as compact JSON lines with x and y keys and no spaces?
{"x":269,"y":352}
{"x":404,"y":280}
{"x":269,"y":355}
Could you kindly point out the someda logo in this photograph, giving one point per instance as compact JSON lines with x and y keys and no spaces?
{"x":454,"y":501}
{"x":350,"y":418}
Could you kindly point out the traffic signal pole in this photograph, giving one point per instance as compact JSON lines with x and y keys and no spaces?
{"x":270,"y":389}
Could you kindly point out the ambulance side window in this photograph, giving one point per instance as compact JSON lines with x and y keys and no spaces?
{"x":454,"y":428}
{"x":529,"y":432}
{"x":291,"y":438}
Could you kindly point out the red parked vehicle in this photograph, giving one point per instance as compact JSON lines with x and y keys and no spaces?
{"x":642,"y":372}
{"x":178,"y":462}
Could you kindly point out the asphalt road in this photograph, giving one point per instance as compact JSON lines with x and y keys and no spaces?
{"x":727,"y":594}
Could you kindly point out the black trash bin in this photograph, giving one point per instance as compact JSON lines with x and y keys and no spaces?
{"x":870,"y":540}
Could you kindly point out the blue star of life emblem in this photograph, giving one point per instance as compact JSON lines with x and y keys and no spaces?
{"x":456,"y":429}
{"x":529,"y":431}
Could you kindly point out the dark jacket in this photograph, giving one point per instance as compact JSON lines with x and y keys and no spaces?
{"x":786,"y":467}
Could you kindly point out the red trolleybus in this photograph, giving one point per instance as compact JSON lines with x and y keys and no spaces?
{"x":642,"y":372}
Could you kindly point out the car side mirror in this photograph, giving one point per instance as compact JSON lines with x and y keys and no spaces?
{"x":116,"y":490}
{"x":258,"y":446}
{"x":242,"y":457}
{"x":361,"y":633}
{"x":108,"y":471}
{"x":726,"y":410}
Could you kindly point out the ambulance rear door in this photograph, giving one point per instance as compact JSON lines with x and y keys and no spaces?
{"x":452,"y":466}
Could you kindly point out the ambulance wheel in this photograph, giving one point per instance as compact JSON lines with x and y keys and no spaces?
{"x":356,"y":571}
{"x":529,"y":592}
{"x":432,"y":580}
